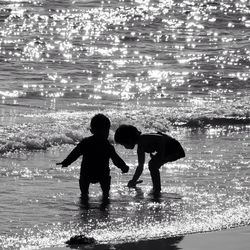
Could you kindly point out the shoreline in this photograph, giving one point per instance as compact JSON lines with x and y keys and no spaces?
{"x":228,"y":239}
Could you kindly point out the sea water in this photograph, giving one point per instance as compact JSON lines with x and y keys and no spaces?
{"x":179,"y":67}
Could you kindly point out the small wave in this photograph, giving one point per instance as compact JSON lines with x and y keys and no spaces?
{"x":43,"y":130}
{"x":213,"y":121}
{"x":21,"y":105}
{"x":127,"y":230}
{"x":20,"y":143}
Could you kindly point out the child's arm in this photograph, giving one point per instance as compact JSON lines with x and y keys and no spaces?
{"x":139,"y":169}
{"x":118,"y":161}
{"x":74,"y":154}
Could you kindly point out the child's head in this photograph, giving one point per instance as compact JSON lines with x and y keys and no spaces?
{"x":127,"y":135}
{"x":100,"y":125}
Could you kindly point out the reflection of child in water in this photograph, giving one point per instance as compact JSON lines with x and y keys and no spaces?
{"x":96,"y":151}
{"x":161,"y":147}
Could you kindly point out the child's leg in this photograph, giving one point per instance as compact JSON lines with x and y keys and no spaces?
{"x":84,"y":186}
{"x":105,"y":186}
{"x":154,"y":167}
{"x":156,"y":178}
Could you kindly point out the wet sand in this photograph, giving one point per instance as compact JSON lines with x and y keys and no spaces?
{"x":231,"y":239}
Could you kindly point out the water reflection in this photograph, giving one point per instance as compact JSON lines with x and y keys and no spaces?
{"x":126,"y":212}
{"x":107,"y":218}
{"x":85,"y":204}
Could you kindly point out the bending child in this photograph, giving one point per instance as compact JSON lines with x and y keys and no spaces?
{"x":96,"y":151}
{"x":161,"y":147}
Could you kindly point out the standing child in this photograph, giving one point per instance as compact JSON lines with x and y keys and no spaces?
{"x":96,"y":151}
{"x":161,"y":147}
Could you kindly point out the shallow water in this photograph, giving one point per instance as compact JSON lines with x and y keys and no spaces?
{"x":206,"y":191}
{"x":180,"y":67}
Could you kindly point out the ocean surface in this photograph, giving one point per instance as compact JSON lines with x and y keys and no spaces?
{"x":179,"y":67}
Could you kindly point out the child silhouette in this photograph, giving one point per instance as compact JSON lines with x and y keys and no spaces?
{"x":96,"y":151}
{"x":161,"y":147}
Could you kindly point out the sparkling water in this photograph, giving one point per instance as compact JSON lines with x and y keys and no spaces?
{"x":179,"y":67}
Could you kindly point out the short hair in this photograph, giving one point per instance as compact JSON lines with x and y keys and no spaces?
{"x":126,"y":134}
{"x":100,"y":122}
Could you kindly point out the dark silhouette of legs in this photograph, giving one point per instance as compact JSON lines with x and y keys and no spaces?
{"x":105,"y":186}
{"x":84,"y":187}
{"x":154,"y":167}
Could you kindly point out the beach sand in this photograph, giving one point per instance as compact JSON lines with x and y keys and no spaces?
{"x":231,"y":239}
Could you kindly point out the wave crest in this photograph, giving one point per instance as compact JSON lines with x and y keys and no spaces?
{"x":59,"y":128}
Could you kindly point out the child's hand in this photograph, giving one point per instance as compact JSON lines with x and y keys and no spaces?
{"x":60,"y":163}
{"x":132,"y":184}
{"x":125,"y":169}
